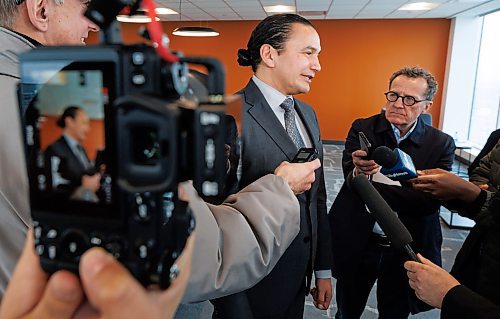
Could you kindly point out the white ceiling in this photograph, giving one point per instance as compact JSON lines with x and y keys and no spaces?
{"x":205,"y":10}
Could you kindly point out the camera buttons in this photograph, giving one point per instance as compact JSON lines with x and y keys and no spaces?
{"x":115,"y":246}
{"x":138,"y":79}
{"x":138,"y":58}
{"x":96,"y":240}
{"x":51,"y":234}
{"x":39,"y":249}
{"x":143,"y":250}
{"x":37,"y":232}
{"x":73,"y":244}
{"x":52,"y":252}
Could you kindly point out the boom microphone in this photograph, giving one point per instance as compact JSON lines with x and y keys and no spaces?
{"x":396,"y":232}
{"x":397,"y":165}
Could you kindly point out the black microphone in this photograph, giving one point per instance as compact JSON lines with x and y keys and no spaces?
{"x":397,"y":165}
{"x":394,"y":229}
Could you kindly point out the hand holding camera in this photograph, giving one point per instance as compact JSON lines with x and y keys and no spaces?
{"x":105,"y":289}
{"x":152,"y":137}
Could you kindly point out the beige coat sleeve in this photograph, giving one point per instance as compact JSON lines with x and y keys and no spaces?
{"x":239,"y":242}
{"x":14,"y":208}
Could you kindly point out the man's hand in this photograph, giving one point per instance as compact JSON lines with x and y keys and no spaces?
{"x":445,"y":185}
{"x":430,"y":282}
{"x":363,"y":166}
{"x":322,"y":293}
{"x":299,"y":176}
{"x":32,"y":294}
{"x":110,"y":290}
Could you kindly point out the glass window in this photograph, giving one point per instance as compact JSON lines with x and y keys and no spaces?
{"x":485,"y":116}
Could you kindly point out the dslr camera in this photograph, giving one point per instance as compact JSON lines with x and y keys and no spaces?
{"x":109,"y":177}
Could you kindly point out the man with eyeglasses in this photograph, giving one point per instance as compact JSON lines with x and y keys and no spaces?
{"x":361,"y":251}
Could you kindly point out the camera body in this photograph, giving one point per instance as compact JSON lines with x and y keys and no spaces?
{"x":147,"y":138}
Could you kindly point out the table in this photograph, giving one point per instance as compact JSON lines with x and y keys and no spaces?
{"x":461,"y":146}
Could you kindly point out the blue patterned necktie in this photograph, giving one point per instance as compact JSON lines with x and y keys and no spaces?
{"x":290,"y":124}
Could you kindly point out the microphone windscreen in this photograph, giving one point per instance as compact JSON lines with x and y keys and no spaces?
{"x":384,"y":157}
{"x":394,"y":229}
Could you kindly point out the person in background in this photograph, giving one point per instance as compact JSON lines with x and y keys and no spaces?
{"x":485,"y":175}
{"x":471,"y":291}
{"x":490,"y":143}
{"x":283,"y":53}
{"x":361,"y":252}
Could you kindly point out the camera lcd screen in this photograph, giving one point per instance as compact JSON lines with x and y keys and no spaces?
{"x":70,"y":170}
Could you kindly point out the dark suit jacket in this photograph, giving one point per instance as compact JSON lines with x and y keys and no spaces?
{"x":461,"y":302}
{"x":352,"y":225}
{"x":490,"y":144}
{"x":265,"y":145}
{"x":70,"y":167}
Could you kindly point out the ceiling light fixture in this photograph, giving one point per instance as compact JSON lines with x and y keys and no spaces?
{"x":193,"y":31}
{"x":419,"y":6}
{"x":135,"y":18}
{"x":165,"y":11}
{"x":280,"y":9}
{"x":141,"y":15}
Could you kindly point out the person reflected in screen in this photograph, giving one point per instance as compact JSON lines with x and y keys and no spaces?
{"x":71,"y":171}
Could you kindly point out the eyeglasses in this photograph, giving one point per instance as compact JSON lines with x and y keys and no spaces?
{"x":408,"y":100}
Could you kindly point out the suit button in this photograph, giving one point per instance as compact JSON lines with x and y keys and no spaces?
{"x":307,"y":239}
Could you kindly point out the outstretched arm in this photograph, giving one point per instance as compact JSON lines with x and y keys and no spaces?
{"x":240,"y":241}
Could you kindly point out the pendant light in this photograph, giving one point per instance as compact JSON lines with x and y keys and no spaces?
{"x":193,"y":31}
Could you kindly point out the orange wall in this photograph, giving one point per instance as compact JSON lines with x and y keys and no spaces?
{"x":95,"y":138}
{"x":358,"y":57}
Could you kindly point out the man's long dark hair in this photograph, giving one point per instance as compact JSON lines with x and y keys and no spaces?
{"x":273,"y":30}
{"x":70,"y":111}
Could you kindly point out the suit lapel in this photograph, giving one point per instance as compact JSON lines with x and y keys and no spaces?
{"x":309,"y":121}
{"x":261,"y":112}
{"x":69,"y":152}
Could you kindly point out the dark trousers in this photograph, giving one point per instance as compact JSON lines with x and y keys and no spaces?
{"x":238,"y":306}
{"x":353,"y":289}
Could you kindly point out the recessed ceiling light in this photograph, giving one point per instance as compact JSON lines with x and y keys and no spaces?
{"x":419,"y":6}
{"x":280,"y":9}
{"x":312,"y":13}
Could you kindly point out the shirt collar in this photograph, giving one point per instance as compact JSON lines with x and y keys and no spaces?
{"x":27,"y":38}
{"x":71,"y":142}
{"x":273,"y":97}
{"x":397,"y":132}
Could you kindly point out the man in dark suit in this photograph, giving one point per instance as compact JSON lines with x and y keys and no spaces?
{"x":361,"y":251}
{"x":490,"y":144}
{"x":283,"y":52}
{"x":71,"y":171}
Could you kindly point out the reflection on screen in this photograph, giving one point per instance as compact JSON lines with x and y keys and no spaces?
{"x":72,"y":162}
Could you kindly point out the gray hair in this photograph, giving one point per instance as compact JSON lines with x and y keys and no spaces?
{"x":417,"y":72}
{"x":9,"y":9}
